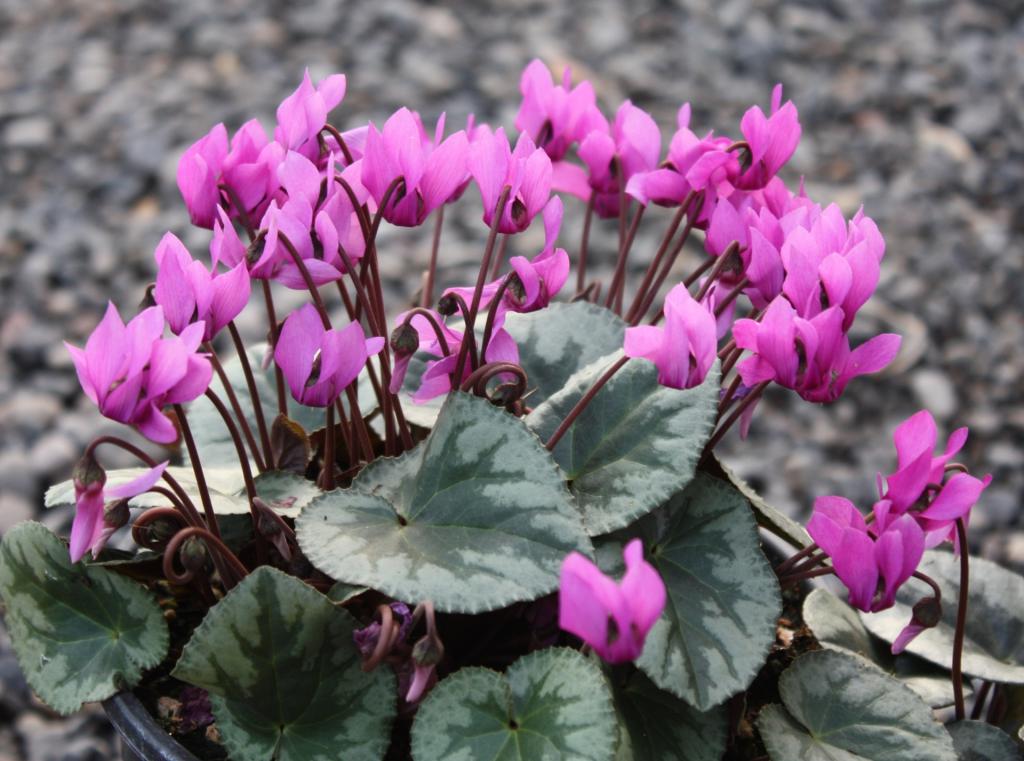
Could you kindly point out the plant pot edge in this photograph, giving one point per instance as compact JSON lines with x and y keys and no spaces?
{"x":141,"y":738}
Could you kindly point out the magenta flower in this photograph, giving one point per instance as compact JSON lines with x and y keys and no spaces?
{"x":871,"y":565}
{"x":131,"y":372}
{"x":431,"y":172}
{"x":685,"y":348}
{"x":612,"y":618}
{"x":88,"y":531}
{"x":304,"y":113}
{"x":293,"y":221}
{"x":188,"y":292}
{"x":226,"y":246}
{"x":782,"y":338}
{"x":319,"y":364}
{"x":436,"y":380}
{"x":555,"y":116}
{"x":772,"y":140}
{"x":250,"y":168}
{"x":198,"y":171}
{"x":525,"y":171}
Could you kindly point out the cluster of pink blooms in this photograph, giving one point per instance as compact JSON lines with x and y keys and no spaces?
{"x":300,"y":208}
{"x":917,"y":509}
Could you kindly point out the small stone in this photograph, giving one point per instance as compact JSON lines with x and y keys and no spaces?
{"x":28,"y":132}
{"x":935,"y":391}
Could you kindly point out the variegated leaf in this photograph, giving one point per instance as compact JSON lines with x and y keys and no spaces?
{"x":474,"y":518}
{"x":723,"y":598}
{"x":81,"y":633}
{"x":551,"y":705}
{"x":994,"y":643}
{"x":839,"y":707}
{"x":978,"y":741}
{"x":635,"y":444}
{"x":284,"y":676}
{"x":657,"y":726}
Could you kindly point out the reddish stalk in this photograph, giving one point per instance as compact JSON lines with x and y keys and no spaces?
{"x":236,"y":407}
{"x":581,"y":270}
{"x":614,"y":298}
{"x":583,"y":402}
{"x":250,"y":383}
{"x":268,"y":299}
{"x":666,"y":240}
{"x":961,"y":621}
{"x":748,"y":400}
{"x":197,"y":468}
{"x":428,"y":286}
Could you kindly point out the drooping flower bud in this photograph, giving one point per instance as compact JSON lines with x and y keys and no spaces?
{"x":194,"y":554}
{"x":927,"y":613}
{"x":116,"y":515}
{"x":426,"y":654}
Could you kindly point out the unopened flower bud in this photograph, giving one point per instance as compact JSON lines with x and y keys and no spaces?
{"x":404,"y":340}
{"x":426,"y":654}
{"x":161,"y":531}
{"x":88,"y":474}
{"x":194,"y":554}
{"x":927,"y":612}
{"x":148,"y":299}
{"x":255,"y":250}
{"x":516,"y":288}
{"x":447,"y":305}
{"x":116,"y":514}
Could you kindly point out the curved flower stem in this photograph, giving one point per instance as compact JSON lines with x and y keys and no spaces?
{"x":427,"y":297}
{"x":936,"y":590}
{"x":477,"y":381}
{"x":236,"y":408}
{"x":961,"y":621}
{"x":326,"y":479}
{"x":389,"y":629}
{"x":236,"y":570}
{"x":333,"y":132}
{"x":141,"y":524}
{"x":197,"y":468}
{"x":189,"y":506}
{"x":731,"y":296}
{"x":796,"y":578}
{"x":720,"y":264}
{"x":318,"y":301}
{"x":618,"y":284}
{"x":748,"y":400}
{"x":499,"y":259}
{"x":257,"y":403}
{"x":666,"y":240}
{"x":492,"y":315}
{"x":360,"y":427}
{"x":429,"y":316}
{"x":581,"y":267}
{"x":583,"y":402}
{"x":795,"y":558}
{"x":268,"y":299}
{"x":474,"y":356}
{"x":499,"y":210}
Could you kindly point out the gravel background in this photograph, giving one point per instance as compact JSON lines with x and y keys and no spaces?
{"x":913,"y":109}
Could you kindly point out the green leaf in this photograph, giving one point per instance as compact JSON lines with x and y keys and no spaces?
{"x":284,"y":676}
{"x":635,"y":444}
{"x":286,"y":492}
{"x":551,"y":705}
{"x":839,"y":707}
{"x":81,"y":633}
{"x":978,"y":741}
{"x":657,"y":726}
{"x":723,"y":598}
{"x":837,"y":626}
{"x":556,"y":342}
{"x":994,"y":641}
{"x":474,"y":518}
{"x":211,"y":435}
{"x":340,"y":592}
{"x":769,"y":518}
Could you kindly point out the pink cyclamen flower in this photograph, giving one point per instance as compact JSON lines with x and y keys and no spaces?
{"x":613,"y":618}
{"x":198,"y":171}
{"x":556,"y":116}
{"x":430,"y":172}
{"x":772,"y":140}
{"x":88,"y":532}
{"x":872,"y":563}
{"x":131,"y":372}
{"x":525,"y":171}
{"x":685,"y":348}
{"x":189,"y":292}
{"x":319,"y":364}
{"x":304,"y":113}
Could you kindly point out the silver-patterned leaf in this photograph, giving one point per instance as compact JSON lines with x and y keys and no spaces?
{"x":840,"y":707}
{"x":556,"y":342}
{"x":286,"y":492}
{"x":978,"y":741}
{"x":284,"y":676}
{"x":80,"y":632}
{"x":723,"y":598}
{"x":474,"y":518}
{"x":837,"y":626}
{"x":635,"y":444}
{"x":657,"y":726}
{"x":550,"y":705}
{"x":994,"y":642}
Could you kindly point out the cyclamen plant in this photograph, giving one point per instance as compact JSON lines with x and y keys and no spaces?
{"x":494,"y":525}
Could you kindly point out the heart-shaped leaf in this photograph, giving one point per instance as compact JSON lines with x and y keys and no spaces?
{"x":978,"y":741}
{"x":551,"y":704}
{"x":836,"y":625}
{"x":839,"y":707}
{"x":474,"y":518}
{"x":286,"y":492}
{"x":723,"y":598}
{"x":635,"y":444}
{"x":284,"y":676}
{"x":657,"y":726}
{"x":81,"y":633}
{"x":994,"y":642}
{"x":556,"y":342}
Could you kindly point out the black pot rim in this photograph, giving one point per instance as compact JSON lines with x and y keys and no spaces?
{"x":140,"y":734}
